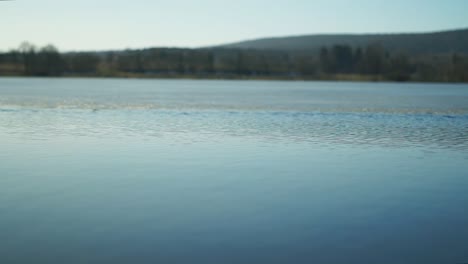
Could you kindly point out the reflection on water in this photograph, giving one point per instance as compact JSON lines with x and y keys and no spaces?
{"x":130,"y":171}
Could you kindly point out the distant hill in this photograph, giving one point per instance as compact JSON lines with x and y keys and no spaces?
{"x":416,"y":43}
{"x":424,"y":57}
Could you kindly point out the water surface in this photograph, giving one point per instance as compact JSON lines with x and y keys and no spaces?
{"x":166,"y":171}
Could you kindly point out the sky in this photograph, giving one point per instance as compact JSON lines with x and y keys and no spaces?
{"x":119,"y":24}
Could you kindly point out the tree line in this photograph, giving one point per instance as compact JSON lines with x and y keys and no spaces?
{"x":337,"y":62}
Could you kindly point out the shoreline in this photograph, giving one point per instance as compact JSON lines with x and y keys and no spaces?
{"x":227,"y":77}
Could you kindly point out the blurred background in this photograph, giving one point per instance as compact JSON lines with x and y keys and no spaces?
{"x":331,"y":40}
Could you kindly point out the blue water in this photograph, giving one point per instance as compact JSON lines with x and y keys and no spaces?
{"x":166,"y":171}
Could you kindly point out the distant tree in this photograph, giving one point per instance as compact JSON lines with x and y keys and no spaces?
{"x":342,"y":58}
{"x":400,"y":68}
{"x":459,"y":72}
{"x":83,"y":63}
{"x":49,"y":62}
{"x":28,"y":53}
{"x":374,"y":59}
{"x":325,"y":60}
{"x":357,"y":60}
{"x":211,"y":62}
{"x":306,"y":66}
{"x":240,"y":67}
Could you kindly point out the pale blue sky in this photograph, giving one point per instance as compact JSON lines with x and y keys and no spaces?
{"x":117,"y":24}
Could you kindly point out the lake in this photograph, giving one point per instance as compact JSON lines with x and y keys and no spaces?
{"x":186,"y":171}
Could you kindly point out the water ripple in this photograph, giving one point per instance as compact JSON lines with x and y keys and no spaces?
{"x":330,"y":128}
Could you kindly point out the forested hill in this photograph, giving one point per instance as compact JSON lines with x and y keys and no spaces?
{"x":453,"y":41}
{"x":434,"y":57}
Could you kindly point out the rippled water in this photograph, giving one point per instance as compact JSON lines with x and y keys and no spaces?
{"x":165,"y":171}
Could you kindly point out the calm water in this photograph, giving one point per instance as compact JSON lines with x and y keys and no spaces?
{"x":166,"y":171}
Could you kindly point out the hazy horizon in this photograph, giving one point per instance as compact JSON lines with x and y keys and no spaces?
{"x":87,"y":25}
